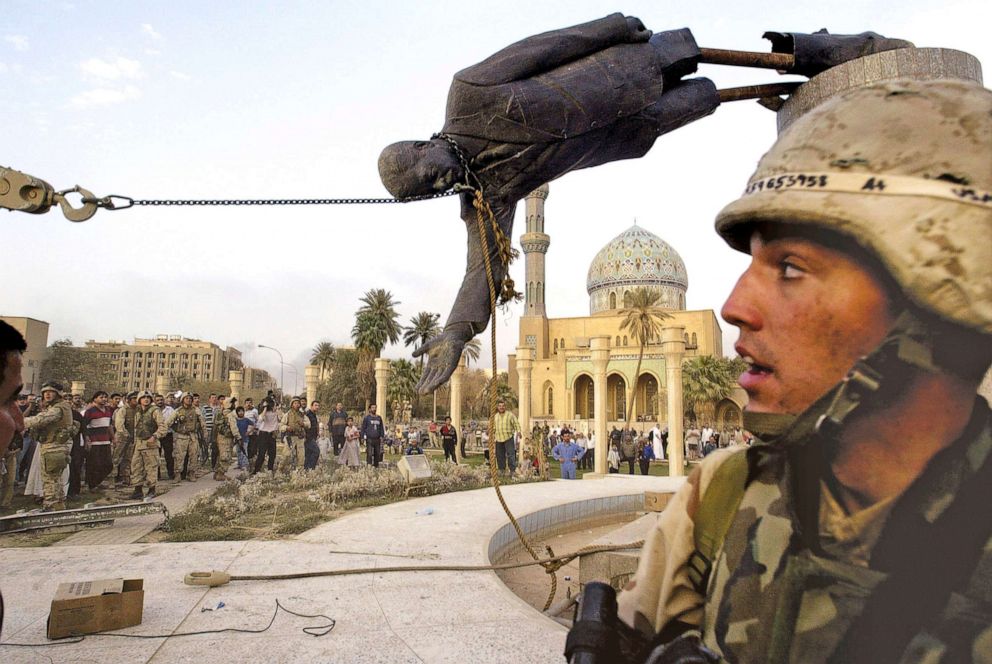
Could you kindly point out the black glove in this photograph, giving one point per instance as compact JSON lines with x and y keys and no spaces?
{"x":821,"y":50}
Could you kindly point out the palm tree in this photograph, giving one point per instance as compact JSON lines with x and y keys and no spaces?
{"x":375,"y":326}
{"x":471,"y":351}
{"x":706,"y":379}
{"x":422,"y":327}
{"x":501,"y":383}
{"x":323,"y":356}
{"x":378,"y":319}
{"x":643,"y":320}
{"x":403,"y":377}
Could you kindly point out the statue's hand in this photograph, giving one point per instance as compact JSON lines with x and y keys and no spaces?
{"x":443,"y":354}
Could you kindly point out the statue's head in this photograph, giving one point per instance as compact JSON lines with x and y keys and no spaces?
{"x":419,"y":168}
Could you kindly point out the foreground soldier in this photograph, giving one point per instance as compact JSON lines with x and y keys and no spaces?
{"x":860,"y":530}
{"x":188,"y":426}
{"x":53,"y":428}
{"x":149,"y":428}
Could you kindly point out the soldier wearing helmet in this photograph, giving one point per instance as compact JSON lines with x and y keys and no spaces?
{"x":149,"y":428}
{"x":124,"y":438}
{"x":188,"y":427}
{"x":54,"y":428}
{"x":859,"y":529}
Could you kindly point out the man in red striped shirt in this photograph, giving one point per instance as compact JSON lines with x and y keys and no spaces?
{"x":98,"y":438}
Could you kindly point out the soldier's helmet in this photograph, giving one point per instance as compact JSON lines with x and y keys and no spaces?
{"x":52,"y":386}
{"x":902,"y":167}
{"x":145,"y":393}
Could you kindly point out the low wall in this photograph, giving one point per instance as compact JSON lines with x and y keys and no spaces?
{"x":559,"y":519}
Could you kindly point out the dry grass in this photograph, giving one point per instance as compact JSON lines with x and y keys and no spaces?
{"x":268,"y":508}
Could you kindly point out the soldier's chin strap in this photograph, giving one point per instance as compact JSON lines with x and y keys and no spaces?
{"x":909,"y":344}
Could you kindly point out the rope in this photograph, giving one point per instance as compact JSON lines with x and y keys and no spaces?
{"x":558,"y":561}
{"x":483,"y":213}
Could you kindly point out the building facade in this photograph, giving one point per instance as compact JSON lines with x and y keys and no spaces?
{"x":35,"y":332}
{"x":152,"y":364}
{"x":561,"y":371}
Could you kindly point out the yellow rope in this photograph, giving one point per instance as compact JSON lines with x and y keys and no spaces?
{"x":484,"y":213}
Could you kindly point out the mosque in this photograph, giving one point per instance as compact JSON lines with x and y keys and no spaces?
{"x":562,"y":366}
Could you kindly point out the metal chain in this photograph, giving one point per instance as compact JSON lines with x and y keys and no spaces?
{"x":117,"y":202}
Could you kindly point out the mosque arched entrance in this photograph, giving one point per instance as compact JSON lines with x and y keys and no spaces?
{"x":616,"y":397}
{"x":584,"y":397}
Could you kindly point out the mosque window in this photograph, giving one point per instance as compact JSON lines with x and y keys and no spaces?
{"x":626,"y":299}
{"x":618,"y":340}
{"x":625,"y":340}
{"x":556,"y":346}
{"x":613,"y":300}
{"x":694,"y":343}
{"x":563,"y":343}
{"x":531,"y":340}
{"x":551,"y":401}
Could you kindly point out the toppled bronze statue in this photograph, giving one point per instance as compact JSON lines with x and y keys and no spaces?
{"x":552,"y":103}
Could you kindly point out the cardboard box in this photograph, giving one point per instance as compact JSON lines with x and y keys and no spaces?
{"x":656,"y":501}
{"x":85,"y":607}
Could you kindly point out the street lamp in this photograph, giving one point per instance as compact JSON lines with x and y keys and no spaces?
{"x":282,"y":385}
{"x":296,"y":379}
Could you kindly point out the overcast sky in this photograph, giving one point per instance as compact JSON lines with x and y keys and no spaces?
{"x":296,"y":99}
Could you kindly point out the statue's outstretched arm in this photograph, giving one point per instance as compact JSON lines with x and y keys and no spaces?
{"x":533,"y":55}
{"x":470,"y":313}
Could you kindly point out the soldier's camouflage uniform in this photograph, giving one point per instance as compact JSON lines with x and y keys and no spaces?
{"x":227,"y":431}
{"x":294,"y":425}
{"x":189,"y":426}
{"x":53,"y":428}
{"x":149,"y":428}
{"x":123,"y":442}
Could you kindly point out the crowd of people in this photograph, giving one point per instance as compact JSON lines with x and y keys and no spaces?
{"x":132,"y":442}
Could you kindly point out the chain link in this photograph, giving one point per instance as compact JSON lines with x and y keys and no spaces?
{"x":108,"y":202}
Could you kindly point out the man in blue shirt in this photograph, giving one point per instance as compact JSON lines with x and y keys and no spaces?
{"x":568,"y":453}
{"x":373,"y":430}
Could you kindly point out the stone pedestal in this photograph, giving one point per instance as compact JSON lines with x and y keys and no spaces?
{"x":162,"y":384}
{"x":916,"y":63}
{"x":381,"y":380}
{"x":312,"y":380}
{"x":525,"y":363}
{"x":455,"y":403}
{"x":236,"y":380}
{"x":78,"y":387}
{"x":600,"y":351}
{"x":673,"y":346}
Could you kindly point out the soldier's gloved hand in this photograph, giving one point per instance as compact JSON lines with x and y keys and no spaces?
{"x":821,"y":50}
{"x":443,"y":354}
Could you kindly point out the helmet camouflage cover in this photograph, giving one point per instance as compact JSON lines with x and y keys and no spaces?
{"x":904,"y":168}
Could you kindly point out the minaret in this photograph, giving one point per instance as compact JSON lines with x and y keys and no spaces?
{"x":535,"y":244}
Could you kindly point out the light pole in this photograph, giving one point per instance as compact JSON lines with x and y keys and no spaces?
{"x":281,"y":363}
{"x":296,"y":377}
